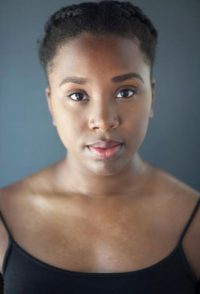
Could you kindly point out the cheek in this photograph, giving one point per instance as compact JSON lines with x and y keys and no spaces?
{"x":141,"y":130}
{"x":69,"y":125}
{"x":136,"y":126}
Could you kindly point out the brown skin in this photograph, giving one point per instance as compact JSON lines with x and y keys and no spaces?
{"x":103,"y":113}
{"x":113,"y":215}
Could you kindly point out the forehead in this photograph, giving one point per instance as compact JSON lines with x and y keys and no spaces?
{"x":88,"y":53}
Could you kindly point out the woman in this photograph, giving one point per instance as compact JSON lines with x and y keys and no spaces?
{"x":102,"y":220}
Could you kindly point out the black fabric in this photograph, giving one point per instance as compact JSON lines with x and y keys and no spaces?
{"x":1,"y":284}
{"x":25,"y":274}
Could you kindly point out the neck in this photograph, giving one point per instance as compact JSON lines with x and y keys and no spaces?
{"x":73,"y":178}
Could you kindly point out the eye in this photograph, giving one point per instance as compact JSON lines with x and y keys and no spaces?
{"x":127,"y":92}
{"x":76,"y":96}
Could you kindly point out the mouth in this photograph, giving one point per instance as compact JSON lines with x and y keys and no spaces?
{"x":105,"y":150}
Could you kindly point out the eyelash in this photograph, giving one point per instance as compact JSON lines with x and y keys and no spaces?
{"x":82,"y":92}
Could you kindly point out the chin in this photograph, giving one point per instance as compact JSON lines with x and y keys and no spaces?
{"x":106,"y":168}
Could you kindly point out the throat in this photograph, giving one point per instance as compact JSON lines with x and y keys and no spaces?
{"x":76,"y":180}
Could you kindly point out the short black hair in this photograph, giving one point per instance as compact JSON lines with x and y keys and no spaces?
{"x":117,"y":17}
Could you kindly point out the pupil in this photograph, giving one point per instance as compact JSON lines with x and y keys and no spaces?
{"x":78,"y":96}
{"x":125,"y":93}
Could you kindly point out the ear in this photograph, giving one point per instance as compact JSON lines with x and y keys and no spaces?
{"x":49,"y":103}
{"x":153,"y":84}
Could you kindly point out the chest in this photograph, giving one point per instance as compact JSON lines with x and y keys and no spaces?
{"x":123,"y":242}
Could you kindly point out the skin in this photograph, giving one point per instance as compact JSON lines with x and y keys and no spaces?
{"x":86,"y":209}
{"x":102,"y":113}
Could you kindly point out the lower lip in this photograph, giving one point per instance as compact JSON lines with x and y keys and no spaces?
{"x":104,"y":153}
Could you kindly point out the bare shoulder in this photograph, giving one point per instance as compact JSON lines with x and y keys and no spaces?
{"x":18,"y":208}
{"x":20,"y":198}
{"x":181,"y":201}
{"x":164,"y":183}
{"x":179,"y":196}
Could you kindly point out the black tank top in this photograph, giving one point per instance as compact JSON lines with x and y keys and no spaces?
{"x":25,"y":274}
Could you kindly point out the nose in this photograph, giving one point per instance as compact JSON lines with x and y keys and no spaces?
{"x":103,"y":117}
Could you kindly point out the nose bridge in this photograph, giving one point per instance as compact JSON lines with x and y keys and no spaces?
{"x":104,"y":108}
{"x":103,"y":113}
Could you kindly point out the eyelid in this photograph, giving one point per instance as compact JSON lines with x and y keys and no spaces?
{"x":68,"y":95}
{"x":125,"y":87}
{"x":133,"y":88}
{"x":128,"y":87}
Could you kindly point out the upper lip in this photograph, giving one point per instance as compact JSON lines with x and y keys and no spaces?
{"x":105,"y":143}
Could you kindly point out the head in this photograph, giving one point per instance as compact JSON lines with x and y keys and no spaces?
{"x":119,"y":18}
{"x":92,"y":53}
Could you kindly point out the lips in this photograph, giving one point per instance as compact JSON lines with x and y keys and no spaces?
{"x":105,"y":149}
{"x":105,"y":144}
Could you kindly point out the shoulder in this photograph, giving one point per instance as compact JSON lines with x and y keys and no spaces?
{"x":177,"y":195}
{"x":18,"y":208}
{"x":16,"y":194}
{"x":168,"y":183}
{"x":24,"y":190}
{"x":171,"y":192}
{"x":9,"y":204}
{"x":181,"y":200}
{"x":20,"y":201}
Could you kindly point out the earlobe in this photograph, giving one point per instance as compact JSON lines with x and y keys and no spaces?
{"x":49,"y":103}
{"x":153,"y":86}
{"x":153,"y":83}
{"x":47,"y":92}
{"x":151,"y":113}
{"x":48,"y":97}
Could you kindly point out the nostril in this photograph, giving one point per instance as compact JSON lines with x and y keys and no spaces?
{"x":103,"y":124}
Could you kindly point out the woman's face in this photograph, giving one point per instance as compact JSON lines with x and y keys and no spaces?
{"x":100,"y":90}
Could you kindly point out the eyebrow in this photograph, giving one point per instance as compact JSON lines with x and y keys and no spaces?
{"x":117,"y":79}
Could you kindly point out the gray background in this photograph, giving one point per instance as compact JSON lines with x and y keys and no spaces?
{"x":29,"y":142}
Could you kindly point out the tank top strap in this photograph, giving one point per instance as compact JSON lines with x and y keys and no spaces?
{"x":189,"y":221}
{"x":2,"y":219}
